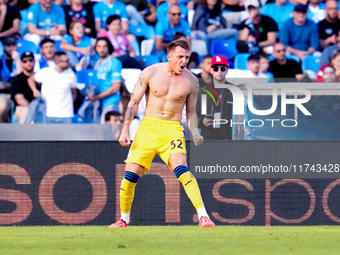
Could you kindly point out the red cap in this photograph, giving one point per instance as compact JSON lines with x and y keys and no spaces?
{"x":219,"y":60}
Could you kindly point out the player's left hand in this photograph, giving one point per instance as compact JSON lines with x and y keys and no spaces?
{"x":198,"y":139}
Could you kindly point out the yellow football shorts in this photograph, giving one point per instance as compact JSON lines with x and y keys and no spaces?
{"x":155,"y":136}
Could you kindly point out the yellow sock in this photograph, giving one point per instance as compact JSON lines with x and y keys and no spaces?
{"x":191,"y":188}
{"x":127,"y":193}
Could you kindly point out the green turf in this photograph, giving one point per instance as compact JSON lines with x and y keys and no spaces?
{"x":170,"y":240}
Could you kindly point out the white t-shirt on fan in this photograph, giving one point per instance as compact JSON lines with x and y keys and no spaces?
{"x":56,"y":90}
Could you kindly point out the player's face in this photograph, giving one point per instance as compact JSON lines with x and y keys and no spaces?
{"x":78,"y":30}
{"x":102,"y":49}
{"x":48,"y":50}
{"x":178,"y":59}
{"x":28,"y":64}
{"x":219,"y":72}
{"x":115,"y":26}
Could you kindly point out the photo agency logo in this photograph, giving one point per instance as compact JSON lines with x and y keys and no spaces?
{"x":243,"y":102}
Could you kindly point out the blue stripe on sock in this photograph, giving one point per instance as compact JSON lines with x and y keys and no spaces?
{"x":181,"y":170}
{"x":131,"y":177}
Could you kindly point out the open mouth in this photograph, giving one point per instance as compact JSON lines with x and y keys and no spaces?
{"x":182,"y":67}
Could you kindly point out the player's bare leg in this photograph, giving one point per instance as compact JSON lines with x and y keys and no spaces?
{"x":127,"y":193}
{"x":179,"y":165}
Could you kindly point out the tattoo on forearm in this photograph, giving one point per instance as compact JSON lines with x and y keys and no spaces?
{"x":129,"y":114}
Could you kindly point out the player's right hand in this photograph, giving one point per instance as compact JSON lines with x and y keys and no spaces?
{"x":198,"y":139}
{"x":124,"y":139}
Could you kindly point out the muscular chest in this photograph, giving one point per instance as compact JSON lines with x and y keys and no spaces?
{"x":175,"y":89}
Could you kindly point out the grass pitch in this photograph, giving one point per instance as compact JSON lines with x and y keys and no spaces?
{"x":170,"y":240}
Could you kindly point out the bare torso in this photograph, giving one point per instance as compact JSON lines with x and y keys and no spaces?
{"x":166,"y":93}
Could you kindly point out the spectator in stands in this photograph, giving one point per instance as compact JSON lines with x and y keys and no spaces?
{"x":316,"y":10}
{"x":10,"y":66}
{"x":218,"y":71}
{"x":253,"y":64}
{"x":164,"y":8}
{"x":299,"y":34}
{"x":78,"y":11}
{"x":335,"y":63}
{"x":21,"y":93}
{"x":115,"y":119}
{"x":256,"y":31}
{"x":283,"y":69}
{"x":329,"y":74}
{"x":141,"y":12}
{"x":109,"y":78}
{"x":76,"y":44}
{"x":280,"y":11}
{"x":208,"y":22}
{"x":329,"y":51}
{"x":166,"y":29}
{"x":9,"y":19}
{"x":10,"y":63}
{"x":45,"y":19}
{"x":102,"y":10}
{"x":330,"y":26}
{"x":264,"y":65}
{"x":233,"y":12}
{"x":58,"y":89}
{"x":46,"y":59}
{"x":122,"y":47}
{"x":205,"y":76}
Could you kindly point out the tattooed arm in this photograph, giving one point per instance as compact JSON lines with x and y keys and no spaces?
{"x":136,"y":96}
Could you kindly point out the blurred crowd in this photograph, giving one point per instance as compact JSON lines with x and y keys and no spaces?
{"x":63,"y":61}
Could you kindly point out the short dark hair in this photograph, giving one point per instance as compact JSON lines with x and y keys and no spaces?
{"x":46,"y":40}
{"x":255,"y":57}
{"x":206,"y":57}
{"x":112,"y":18}
{"x":111,"y":113}
{"x":181,"y":43}
{"x":59,"y":54}
{"x":263,"y":55}
{"x":178,"y":35}
{"x":109,"y":44}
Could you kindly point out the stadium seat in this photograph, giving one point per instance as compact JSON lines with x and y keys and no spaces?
{"x":130,"y":76}
{"x":311,"y":62}
{"x":147,"y":46}
{"x":1,"y":49}
{"x":241,"y":60}
{"x":135,"y":46}
{"x":224,"y":47}
{"x":57,"y":45}
{"x":87,"y":76}
{"x":24,"y":45}
{"x":199,"y":46}
{"x":142,"y":30}
{"x":13,"y":120}
{"x":294,"y":57}
{"x":150,"y":59}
